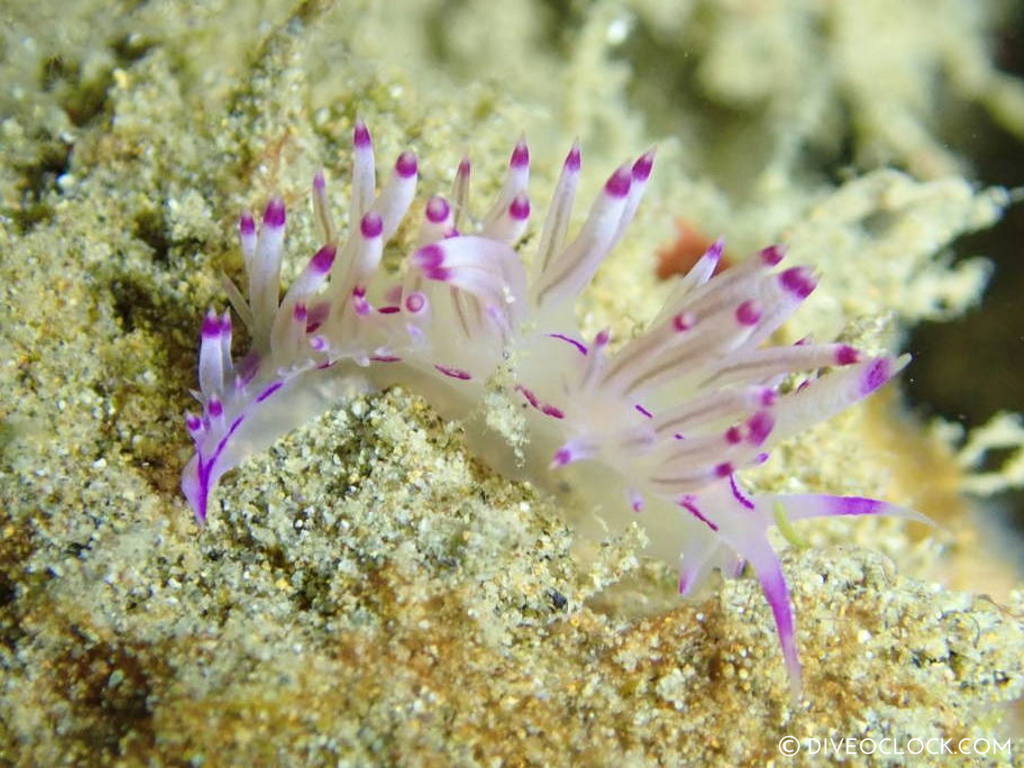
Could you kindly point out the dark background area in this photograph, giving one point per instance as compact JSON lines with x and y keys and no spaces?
{"x":971,"y":368}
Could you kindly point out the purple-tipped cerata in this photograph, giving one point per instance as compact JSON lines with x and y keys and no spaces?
{"x":748,"y":313}
{"x":671,"y":417}
{"x":772,"y":255}
{"x":643,"y":166}
{"x":438,"y":209}
{"x":274,"y":214}
{"x":406,"y":165}
{"x":324,"y":258}
{"x":520,"y":155}
{"x":246,"y":226}
{"x":799,"y":281}
{"x":361,"y":135}
{"x":875,"y":376}
{"x":574,"y":159}
{"x":618,"y":183}
{"x":371,"y":226}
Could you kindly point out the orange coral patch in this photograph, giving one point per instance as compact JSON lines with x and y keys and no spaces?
{"x":679,"y":256}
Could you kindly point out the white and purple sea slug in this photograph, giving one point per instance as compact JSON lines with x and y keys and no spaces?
{"x":656,"y":430}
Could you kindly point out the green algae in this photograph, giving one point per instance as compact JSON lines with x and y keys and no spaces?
{"x":367,"y":592}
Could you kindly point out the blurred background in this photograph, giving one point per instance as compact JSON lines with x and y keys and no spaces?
{"x":969,"y":370}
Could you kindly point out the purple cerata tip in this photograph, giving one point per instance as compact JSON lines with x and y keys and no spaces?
{"x":441,"y":274}
{"x":324,"y":258}
{"x":371,"y":226}
{"x":759,"y":426}
{"x":643,"y":166}
{"x":300,"y":313}
{"x":619,"y":182}
{"x":748,"y":313}
{"x":799,"y":281}
{"x":876,"y":375}
{"x":772,"y":255}
{"x":415,"y":302}
{"x":519,"y":208}
{"x":683,"y":321}
{"x":437,"y":210}
{"x":274,"y":215}
{"x":211,"y":325}
{"x":847,"y":355}
{"x":715,"y":250}
{"x":361,"y":135}
{"x":319,"y":182}
{"x":574,"y":159}
{"x":464,"y":167}
{"x":429,"y":256}
{"x":405,"y":165}
{"x":724,"y":469}
{"x":359,"y":302}
{"x":520,"y":155}
{"x":684,"y":583}
{"x":246,"y":226}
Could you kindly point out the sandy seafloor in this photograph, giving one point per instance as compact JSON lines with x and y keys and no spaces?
{"x":368,"y":593}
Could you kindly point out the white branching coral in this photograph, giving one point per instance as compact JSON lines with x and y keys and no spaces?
{"x":657,"y":430}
